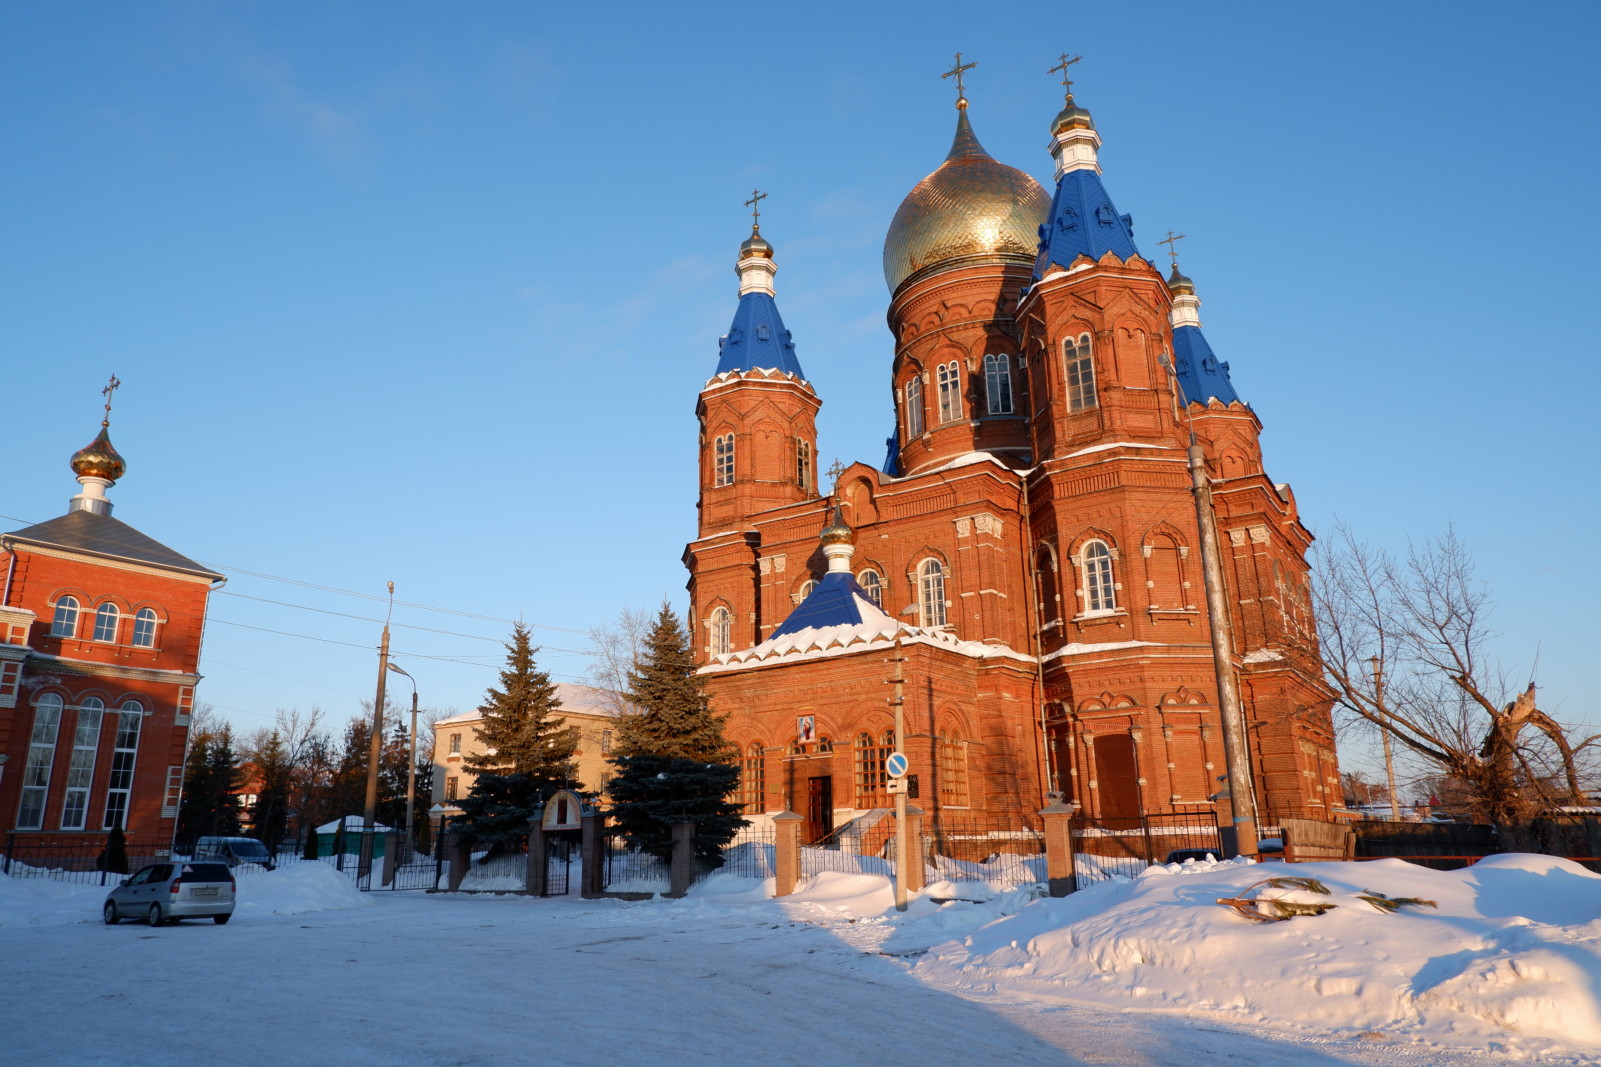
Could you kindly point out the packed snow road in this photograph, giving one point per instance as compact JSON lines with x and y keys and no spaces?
{"x":415,"y":979}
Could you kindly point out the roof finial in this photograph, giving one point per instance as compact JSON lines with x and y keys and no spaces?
{"x":1067,"y":83}
{"x":755,"y":205}
{"x":1172,"y":247}
{"x":957,"y":72}
{"x":833,"y":474}
{"x":111,"y":387}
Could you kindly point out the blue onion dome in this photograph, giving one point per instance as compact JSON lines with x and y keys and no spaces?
{"x":973,"y":209}
{"x":98,"y":459}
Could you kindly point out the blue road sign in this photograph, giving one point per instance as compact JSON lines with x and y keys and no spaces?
{"x":895,"y":765}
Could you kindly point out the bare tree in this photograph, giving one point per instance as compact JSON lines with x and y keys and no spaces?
{"x":614,"y":651}
{"x":1405,"y":644}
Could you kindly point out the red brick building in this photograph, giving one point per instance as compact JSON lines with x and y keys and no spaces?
{"x":100,"y":632}
{"x":1031,"y":540}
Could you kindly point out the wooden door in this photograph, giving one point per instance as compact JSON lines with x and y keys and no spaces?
{"x":819,"y":807}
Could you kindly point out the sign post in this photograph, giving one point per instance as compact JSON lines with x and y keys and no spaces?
{"x":897,"y":778}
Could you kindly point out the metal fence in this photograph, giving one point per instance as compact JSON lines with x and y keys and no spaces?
{"x":81,"y":860}
{"x":1122,"y":848}
{"x":751,"y":854}
{"x":1001,"y":852}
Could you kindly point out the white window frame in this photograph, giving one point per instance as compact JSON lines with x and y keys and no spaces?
{"x":721,"y":627}
{"x":144,"y":628}
{"x":107,"y":619}
{"x":723,"y":460}
{"x":1079,"y":360}
{"x":1097,"y":577}
{"x":41,"y":757}
{"x":931,"y":613}
{"x":803,"y":463}
{"x":914,"y":407}
{"x":949,"y":377}
{"x":998,"y":384}
{"x":124,"y":759}
{"x":81,"y":770}
{"x":872,"y":584}
{"x":65,"y":623}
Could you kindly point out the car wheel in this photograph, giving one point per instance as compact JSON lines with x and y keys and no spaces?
{"x":155,"y":915}
{"x":221,"y":920}
{"x":112,"y":918}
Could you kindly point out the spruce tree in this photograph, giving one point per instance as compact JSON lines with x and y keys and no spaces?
{"x":527,"y":751}
{"x":673,"y":762}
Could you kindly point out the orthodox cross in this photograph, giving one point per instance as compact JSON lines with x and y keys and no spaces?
{"x":1172,"y":246}
{"x":755,"y":205}
{"x":1067,"y":83}
{"x":833,"y":473}
{"x":111,"y":387}
{"x":956,"y":72}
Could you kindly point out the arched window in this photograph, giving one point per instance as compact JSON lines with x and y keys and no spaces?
{"x":1080,"y":374}
{"x":65,"y":623}
{"x":806,"y":589}
{"x":914,"y":407}
{"x":41,"y":754}
{"x":952,"y":771}
{"x":1100,"y":592}
{"x":931,"y":593}
{"x":144,"y":628}
{"x":129,"y":718}
{"x":872,"y":780}
{"x":106,"y":617}
{"x":998,"y":384}
{"x":85,"y":743}
{"x":803,"y":464}
{"x":722,"y":632}
{"x":949,"y":377}
{"x":723,"y":460}
{"x":872,"y":585}
{"x":753,"y":779}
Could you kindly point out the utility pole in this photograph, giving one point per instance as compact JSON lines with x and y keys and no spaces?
{"x":375,"y":750}
{"x":903,"y":836}
{"x":411,"y":765}
{"x":1242,"y":792}
{"x":1384,"y":735}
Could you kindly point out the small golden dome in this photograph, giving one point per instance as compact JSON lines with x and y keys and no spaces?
{"x":1179,"y":283}
{"x":838,"y":532}
{"x":1071,"y":117}
{"x":755,"y":245}
{"x":972,"y":206}
{"x":99,"y":459}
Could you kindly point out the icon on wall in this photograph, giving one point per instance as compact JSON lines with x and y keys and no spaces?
{"x":806,"y":728}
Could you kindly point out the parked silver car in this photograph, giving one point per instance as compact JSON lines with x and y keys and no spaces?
{"x":166,"y":892}
{"x":233,"y":851}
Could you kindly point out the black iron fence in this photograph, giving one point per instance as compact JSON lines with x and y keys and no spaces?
{"x":1122,"y":848}
{"x":751,"y":854}
{"x":1000,"y":851}
{"x":83,"y":859}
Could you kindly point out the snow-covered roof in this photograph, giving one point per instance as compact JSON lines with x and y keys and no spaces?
{"x":578,"y":699}
{"x":353,"y":824}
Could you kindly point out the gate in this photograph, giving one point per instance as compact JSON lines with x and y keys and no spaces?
{"x":558,"y":866}
{"x":395,"y":865}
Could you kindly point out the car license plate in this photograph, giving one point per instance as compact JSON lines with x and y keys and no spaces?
{"x":207,"y":891}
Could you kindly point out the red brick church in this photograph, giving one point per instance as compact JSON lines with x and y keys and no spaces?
{"x":1030,"y":541}
{"x":100,"y":632}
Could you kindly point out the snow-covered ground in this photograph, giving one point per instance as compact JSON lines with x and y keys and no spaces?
{"x":1149,"y":971}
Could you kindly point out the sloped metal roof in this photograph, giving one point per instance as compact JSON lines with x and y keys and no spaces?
{"x":102,"y":535}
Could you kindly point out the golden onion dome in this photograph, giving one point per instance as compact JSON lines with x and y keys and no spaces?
{"x":755,"y":245}
{"x":98,"y":459}
{"x":1179,"y":283}
{"x":838,"y":531}
{"x":972,"y":209}
{"x":1071,"y":117}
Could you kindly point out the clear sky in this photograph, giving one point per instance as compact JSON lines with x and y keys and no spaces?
{"x":401,"y":292}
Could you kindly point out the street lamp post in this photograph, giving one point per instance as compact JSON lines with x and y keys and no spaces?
{"x":411,"y":763}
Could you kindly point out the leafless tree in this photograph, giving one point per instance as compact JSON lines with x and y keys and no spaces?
{"x":1405,"y":643}
{"x":613,"y":651}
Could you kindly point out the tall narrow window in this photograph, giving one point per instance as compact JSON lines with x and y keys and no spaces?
{"x":722,"y":632}
{"x":605,"y":742}
{"x":144,"y":628}
{"x":41,"y":754}
{"x":1080,"y":374}
{"x":753,"y":779}
{"x":803,"y":464}
{"x":998,"y":384}
{"x":65,"y":624}
{"x":455,"y":744}
{"x":1100,"y":592}
{"x":931,"y":593}
{"x":452,"y":787}
{"x":723,"y":460}
{"x":106,"y":616}
{"x":872,"y":779}
{"x":872,"y":585}
{"x":914,"y":409}
{"x":952,"y":771}
{"x":85,"y":742}
{"x":129,"y":718}
{"x":949,"y":377}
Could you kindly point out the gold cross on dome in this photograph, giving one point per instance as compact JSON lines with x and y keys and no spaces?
{"x":956,"y":72}
{"x":111,"y":387}
{"x":1067,"y":83}
{"x":1172,"y":246}
{"x":755,"y":205}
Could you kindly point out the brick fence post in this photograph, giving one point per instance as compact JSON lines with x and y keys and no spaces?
{"x":538,"y":858}
{"x":683,"y":868}
{"x":786,"y":852}
{"x":461,"y":857}
{"x":915,"y":861}
{"x":1059,"y":874}
{"x":592,"y":853}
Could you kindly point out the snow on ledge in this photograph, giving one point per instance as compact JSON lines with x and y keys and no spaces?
{"x":824,"y":642}
{"x":1078,"y":649}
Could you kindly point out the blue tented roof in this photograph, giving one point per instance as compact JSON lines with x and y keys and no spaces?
{"x":757,"y":339}
{"x":1200,"y":373}
{"x":836,"y":601}
{"x":1082,"y":222}
{"x":892,"y":459}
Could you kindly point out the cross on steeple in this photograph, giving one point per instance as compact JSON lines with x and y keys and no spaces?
{"x":956,"y":72}
{"x":1067,"y":83}
{"x":1172,"y":246}
{"x":834,"y":472}
{"x":111,"y":387}
{"x":754,"y":203}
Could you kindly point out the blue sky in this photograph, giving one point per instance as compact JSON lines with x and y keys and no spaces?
{"x":401,"y":293}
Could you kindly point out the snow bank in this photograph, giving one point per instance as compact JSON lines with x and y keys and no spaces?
{"x":1511,"y":958}
{"x":297,"y":888}
{"x":46,"y":902}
